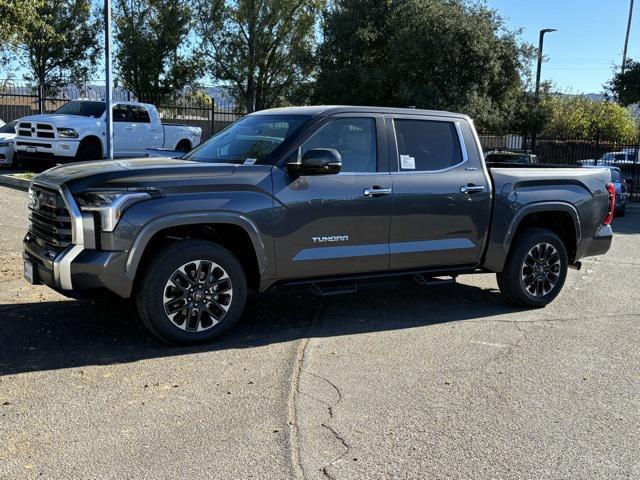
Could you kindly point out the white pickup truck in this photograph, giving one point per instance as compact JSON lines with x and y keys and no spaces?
{"x":76,"y":132}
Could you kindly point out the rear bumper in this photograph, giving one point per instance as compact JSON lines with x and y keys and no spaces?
{"x":599,"y":244}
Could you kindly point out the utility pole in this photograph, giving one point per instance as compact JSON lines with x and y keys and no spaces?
{"x":109,"y":80}
{"x":626,"y":39}
{"x":538,"y":75}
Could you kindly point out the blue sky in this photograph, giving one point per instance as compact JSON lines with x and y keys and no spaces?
{"x":589,"y":40}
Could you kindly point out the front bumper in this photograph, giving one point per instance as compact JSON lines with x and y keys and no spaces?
{"x":53,"y":150}
{"x":79,"y":266}
{"x":76,"y":269}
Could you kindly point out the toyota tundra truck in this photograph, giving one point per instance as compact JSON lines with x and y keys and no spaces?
{"x":77,"y":131}
{"x":324,"y":196}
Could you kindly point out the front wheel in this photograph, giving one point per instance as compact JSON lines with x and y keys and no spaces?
{"x":192,"y":292}
{"x":536,"y":268}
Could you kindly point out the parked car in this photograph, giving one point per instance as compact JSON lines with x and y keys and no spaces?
{"x":7,"y":135}
{"x":622,"y":190}
{"x":627,"y":157}
{"x":504,"y":156}
{"x":323,"y":196}
{"x":76,"y":132}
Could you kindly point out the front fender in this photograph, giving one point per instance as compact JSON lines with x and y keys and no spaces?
{"x":150,"y":229}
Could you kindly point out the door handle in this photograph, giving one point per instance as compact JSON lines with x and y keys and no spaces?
{"x":471,"y":188}
{"x":375,"y":191}
{"x":128,"y":129}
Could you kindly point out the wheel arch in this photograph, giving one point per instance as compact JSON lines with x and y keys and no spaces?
{"x":235,"y":232}
{"x":92,"y":140}
{"x":560,"y":217}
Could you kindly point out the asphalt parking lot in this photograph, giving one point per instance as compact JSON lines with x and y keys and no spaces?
{"x":397,"y":381}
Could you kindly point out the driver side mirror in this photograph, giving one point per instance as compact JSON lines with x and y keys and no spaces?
{"x":317,"y":161}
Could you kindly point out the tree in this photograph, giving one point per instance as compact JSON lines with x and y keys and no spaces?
{"x":261,"y":48}
{"x":625,"y":86}
{"x":581,"y":117}
{"x":56,"y":40}
{"x":154,"y":56}
{"x":437,"y":54}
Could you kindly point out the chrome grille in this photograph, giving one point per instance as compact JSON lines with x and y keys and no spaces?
{"x":50,"y":219}
{"x":37,"y":130}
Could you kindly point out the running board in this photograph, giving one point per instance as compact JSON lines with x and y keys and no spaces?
{"x":426,"y":281}
{"x":329,"y":289}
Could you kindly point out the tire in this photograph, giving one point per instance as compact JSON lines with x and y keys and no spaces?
{"x":87,"y":152}
{"x":550,"y":264}
{"x":162,"y":285}
{"x":183,"y":146}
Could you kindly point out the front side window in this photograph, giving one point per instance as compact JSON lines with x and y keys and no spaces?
{"x":353,"y":138}
{"x":427,"y":145}
{"x":251,"y":139}
{"x":121,"y":113}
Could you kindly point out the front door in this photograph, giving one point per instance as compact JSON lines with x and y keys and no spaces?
{"x":337,"y":224}
{"x":124,"y":132}
{"x":441,"y":194}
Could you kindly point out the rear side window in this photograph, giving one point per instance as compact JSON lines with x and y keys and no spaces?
{"x":427,"y":145}
{"x":139,"y":114}
{"x":354,"y":138}
{"x":615,"y":176}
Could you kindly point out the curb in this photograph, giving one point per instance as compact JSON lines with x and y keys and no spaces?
{"x":14,"y":182}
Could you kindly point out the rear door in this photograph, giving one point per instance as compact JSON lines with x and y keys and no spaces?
{"x":441,"y":193}
{"x":336,"y":224}
{"x":147,"y":134}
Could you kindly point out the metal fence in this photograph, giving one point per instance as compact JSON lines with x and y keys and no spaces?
{"x":196,"y":108}
{"x":622,"y":153}
{"x":208,"y":108}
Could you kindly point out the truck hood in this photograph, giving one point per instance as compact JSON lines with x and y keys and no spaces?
{"x":69,"y":121}
{"x":164,"y":173}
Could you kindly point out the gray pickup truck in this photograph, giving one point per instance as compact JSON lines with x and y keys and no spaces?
{"x":325,"y":196}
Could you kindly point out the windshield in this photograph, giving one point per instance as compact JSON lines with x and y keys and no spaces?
{"x":9,"y":127}
{"x":83,"y":108}
{"x":249,"y":140}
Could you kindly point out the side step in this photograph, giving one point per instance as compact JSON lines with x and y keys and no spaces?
{"x":327,"y":289}
{"x":426,"y":281}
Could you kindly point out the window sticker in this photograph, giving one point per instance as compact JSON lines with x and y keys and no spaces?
{"x":250,"y":161}
{"x":407,"y":162}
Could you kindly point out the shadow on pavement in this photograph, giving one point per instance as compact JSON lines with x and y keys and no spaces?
{"x":54,"y":335}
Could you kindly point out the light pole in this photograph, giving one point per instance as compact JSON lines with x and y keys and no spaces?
{"x":540,"y":47}
{"x":109,"y":80}
{"x":626,"y":38}
{"x":538,"y":74}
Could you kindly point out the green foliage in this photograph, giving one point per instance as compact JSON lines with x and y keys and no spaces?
{"x":581,"y":117}
{"x":261,"y":48}
{"x":154,"y":58}
{"x":625,"y":87}
{"x":53,"y":39}
{"x":437,"y":54}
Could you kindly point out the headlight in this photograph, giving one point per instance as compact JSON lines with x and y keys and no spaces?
{"x":111,"y":205}
{"x":6,"y":143}
{"x":67,"y":133}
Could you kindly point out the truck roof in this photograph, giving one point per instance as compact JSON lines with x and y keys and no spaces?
{"x":325,"y":110}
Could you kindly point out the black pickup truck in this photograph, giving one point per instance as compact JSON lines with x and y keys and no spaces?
{"x":319,"y":195}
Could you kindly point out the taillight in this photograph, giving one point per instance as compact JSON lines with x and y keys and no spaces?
{"x":612,"y":204}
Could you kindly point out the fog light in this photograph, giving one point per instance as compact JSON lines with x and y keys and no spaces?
{"x":64,"y":146}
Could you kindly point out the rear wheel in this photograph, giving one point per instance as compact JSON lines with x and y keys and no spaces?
{"x":536,"y":268}
{"x":184,"y":146}
{"x":192,"y":292}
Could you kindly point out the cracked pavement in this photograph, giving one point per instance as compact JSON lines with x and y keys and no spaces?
{"x":398,"y":381}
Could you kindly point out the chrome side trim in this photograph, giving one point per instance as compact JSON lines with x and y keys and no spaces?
{"x":62,"y":263}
